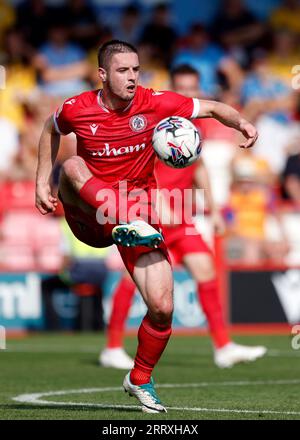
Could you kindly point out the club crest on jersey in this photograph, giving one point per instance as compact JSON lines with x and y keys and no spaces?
{"x":138,"y":123}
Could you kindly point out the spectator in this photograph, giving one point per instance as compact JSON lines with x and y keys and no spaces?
{"x":9,"y":147}
{"x":270,"y":102}
{"x":38,"y":109}
{"x":265,"y":89}
{"x":237,"y":30}
{"x":129,"y":28}
{"x":208,"y":59}
{"x":287,"y":16}
{"x":160,"y":33}
{"x":34,"y":18}
{"x":245,"y":159}
{"x":78,"y":16}
{"x":20,"y":78}
{"x":154,"y":73}
{"x":284,"y":55}
{"x":250,"y":203}
{"x":291,"y":178}
{"x":92,"y":58}
{"x":61,"y":64}
{"x":7,"y":19}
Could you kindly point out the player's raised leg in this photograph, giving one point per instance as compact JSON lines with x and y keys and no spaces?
{"x":153,"y":276}
{"x":79,"y":187}
{"x":73,"y":176}
{"x":226,"y":353}
{"x":79,"y":213}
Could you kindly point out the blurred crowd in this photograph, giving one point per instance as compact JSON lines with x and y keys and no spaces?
{"x":49,"y":53}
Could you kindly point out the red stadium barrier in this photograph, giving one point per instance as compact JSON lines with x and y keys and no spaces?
{"x":17,"y":195}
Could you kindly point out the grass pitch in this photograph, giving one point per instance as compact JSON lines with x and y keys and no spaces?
{"x":63,"y":369}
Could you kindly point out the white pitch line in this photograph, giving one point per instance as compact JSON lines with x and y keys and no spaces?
{"x":174,"y":408}
{"x":36,"y":398}
{"x":283,"y":353}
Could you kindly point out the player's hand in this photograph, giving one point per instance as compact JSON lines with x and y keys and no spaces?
{"x":44,"y":200}
{"x":250,"y":133}
{"x":218,"y":223}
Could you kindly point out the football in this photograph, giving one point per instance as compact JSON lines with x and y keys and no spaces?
{"x":177,"y":142}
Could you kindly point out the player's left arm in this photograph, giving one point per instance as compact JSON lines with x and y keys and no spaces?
{"x":228,"y":116}
{"x":48,"y":149}
{"x":202,"y":180}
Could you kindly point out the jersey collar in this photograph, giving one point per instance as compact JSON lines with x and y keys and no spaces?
{"x":107,"y":110}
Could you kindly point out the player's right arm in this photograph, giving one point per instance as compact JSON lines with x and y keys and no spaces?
{"x":48,"y":149}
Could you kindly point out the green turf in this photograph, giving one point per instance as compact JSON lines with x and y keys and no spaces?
{"x":57,"y":362}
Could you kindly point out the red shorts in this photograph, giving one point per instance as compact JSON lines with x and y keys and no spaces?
{"x":87,"y":229}
{"x":180,"y":244}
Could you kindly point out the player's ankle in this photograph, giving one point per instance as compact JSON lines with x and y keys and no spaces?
{"x":139,"y":377}
{"x":220,"y":345}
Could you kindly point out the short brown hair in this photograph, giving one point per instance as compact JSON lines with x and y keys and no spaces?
{"x":108,"y":49}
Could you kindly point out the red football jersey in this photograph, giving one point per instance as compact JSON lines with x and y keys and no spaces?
{"x":117,"y":145}
{"x":169,"y":178}
{"x":179,"y":178}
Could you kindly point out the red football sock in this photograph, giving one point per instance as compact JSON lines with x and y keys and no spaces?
{"x":122,"y":298}
{"x":89,"y":191}
{"x":211,"y":305}
{"x":153,"y":339}
{"x":108,"y":199}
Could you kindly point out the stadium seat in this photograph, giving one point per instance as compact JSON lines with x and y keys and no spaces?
{"x":17,"y":195}
{"x":17,"y":228}
{"x":27,"y":234}
{"x":49,"y":259}
{"x":291,"y":222}
{"x":18,"y":258}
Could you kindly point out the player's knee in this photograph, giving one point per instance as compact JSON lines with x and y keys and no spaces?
{"x":75,"y":170}
{"x":206,"y":271}
{"x":162,"y":310}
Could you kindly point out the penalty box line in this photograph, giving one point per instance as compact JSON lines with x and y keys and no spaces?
{"x":37,"y":398}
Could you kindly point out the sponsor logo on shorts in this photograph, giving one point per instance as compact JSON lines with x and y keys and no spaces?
{"x":138,"y":123}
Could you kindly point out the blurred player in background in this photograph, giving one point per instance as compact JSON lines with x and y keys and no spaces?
{"x":114,"y":127}
{"x":189,"y":250}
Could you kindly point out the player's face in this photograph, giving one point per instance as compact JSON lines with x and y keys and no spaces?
{"x":186,"y":84}
{"x":122,"y":75}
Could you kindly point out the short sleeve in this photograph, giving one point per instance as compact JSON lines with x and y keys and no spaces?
{"x":173,"y":104}
{"x":63,"y":117}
